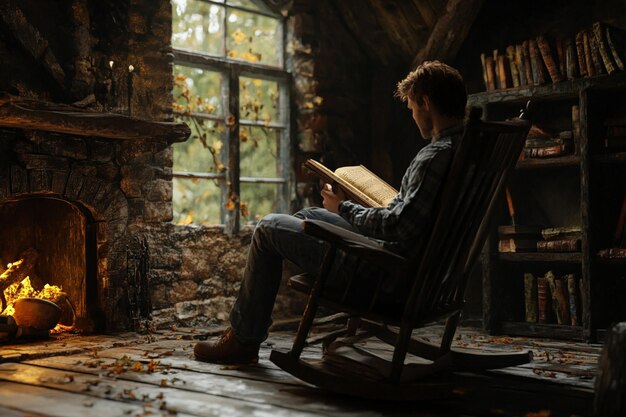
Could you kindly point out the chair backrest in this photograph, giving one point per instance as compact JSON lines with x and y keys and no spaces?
{"x":482,"y":162}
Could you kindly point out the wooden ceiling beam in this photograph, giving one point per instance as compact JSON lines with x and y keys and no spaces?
{"x":399,"y":28}
{"x":450,"y":31}
{"x":31,"y":40}
{"x":363,"y":25}
{"x":425,"y":9}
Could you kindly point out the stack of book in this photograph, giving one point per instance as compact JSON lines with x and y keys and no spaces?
{"x":615,"y":133}
{"x":560,"y":239}
{"x":593,"y":51}
{"x":518,"y":238}
{"x":543,"y":144}
{"x":550,"y":299}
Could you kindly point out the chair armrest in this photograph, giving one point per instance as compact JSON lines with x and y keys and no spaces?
{"x":354,"y":244}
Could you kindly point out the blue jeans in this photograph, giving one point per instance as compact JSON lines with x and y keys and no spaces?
{"x":276,"y":237}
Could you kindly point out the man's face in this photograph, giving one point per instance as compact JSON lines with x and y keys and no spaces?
{"x":421,"y":116}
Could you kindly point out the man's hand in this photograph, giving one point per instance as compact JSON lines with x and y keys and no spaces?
{"x":332,"y":198}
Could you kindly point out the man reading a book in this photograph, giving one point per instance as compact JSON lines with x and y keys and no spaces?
{"x":435,"y":93}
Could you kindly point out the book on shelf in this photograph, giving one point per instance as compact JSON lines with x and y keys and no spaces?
{"x":562,"y":297}
{"x":520,"y":62}
{"x":603,"y":49}
{"x":548,"y":58}
{"x":359,"y":183}
{"x":582,"y":291}
{"x":547,"y":142}
{"x":563,"y":232}
{"x":544,"y":302}
{"x":536,"y":63}
{"x":573,"y":299}
{"x":510,"y":56}
{"x":559,"y":298}
{"x":571,"y":60}
{"x":588,"y":61}
{"x":548,"y":151}
{"x":615,"y":42}
{"x":527,"y":65}
{"x":530,"y":297}
{"x":576,"y":125}
{"x":503,"y":73}
{"x":595,"y":54}
{"x":559,"y":245}
{"x":580,"y":55}
{"x":483,"y":62}
{"x":496,"y":68}
{"x":515,"y":245}
{"x":491,"y":74}
{"x":612,"y":253}
{"x":542,"y":143}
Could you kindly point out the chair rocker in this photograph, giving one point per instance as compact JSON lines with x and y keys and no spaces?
{"x":483,"y":159}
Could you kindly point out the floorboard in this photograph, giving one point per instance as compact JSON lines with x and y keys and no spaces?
{"x":138,"y":375}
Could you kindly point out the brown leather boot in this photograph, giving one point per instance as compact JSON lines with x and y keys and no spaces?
{"x":227,"y":349}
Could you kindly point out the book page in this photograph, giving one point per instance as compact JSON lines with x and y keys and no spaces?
{"x":351,"y":191}
{"x":368,"y":183}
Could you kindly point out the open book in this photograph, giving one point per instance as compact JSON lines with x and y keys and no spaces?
{"x":359,"y":183}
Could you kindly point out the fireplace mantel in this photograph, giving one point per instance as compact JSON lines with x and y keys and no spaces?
{"x":19,"y":112}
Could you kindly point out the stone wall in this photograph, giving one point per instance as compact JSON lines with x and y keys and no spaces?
{"x":195,"y":273}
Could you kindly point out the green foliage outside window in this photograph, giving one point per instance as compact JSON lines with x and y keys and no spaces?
{"x":201,"y":26}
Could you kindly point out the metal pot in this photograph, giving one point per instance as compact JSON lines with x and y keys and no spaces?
{"x":36,"y":313}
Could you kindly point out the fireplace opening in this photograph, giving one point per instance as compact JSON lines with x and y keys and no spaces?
{"x":47,"y":251}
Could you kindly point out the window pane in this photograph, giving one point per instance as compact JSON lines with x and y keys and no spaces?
{"x":197,"y":90}
{"x":196,"y":201}
{"x":203,"y":151}
{"x":248,"y":4}
{"x":258,"y":152}
{"x":198,"y":26}
{"x":253,"y":37}
{"x":257,"y":200}
{"x":258,"y":100}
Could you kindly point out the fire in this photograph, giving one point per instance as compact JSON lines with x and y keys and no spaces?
{"x":25,"y":289}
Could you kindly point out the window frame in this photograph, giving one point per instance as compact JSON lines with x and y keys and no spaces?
{"x":231,"y":70}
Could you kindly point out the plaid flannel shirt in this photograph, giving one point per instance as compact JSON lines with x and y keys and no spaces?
{"x":403,"y":223}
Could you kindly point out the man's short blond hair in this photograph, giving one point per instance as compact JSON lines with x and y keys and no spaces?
{"x":443,"y":85}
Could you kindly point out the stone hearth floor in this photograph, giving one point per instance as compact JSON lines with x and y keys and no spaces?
{"x":155,"y":375}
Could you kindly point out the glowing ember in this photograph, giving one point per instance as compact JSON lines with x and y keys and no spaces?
{"x":25,"y":289}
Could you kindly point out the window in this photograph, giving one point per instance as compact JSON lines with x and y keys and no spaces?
{"x":231,"y":88}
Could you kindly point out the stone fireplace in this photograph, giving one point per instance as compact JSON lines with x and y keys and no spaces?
{"x":71,"y":199}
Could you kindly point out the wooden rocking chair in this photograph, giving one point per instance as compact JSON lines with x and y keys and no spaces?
{"x":482,"y":162}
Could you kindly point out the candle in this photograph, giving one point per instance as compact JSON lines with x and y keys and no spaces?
{"x":131,"y":68}
{"x":112,"y":87}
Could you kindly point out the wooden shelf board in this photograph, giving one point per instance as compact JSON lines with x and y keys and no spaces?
{"x":609,"y":158}
{"x":566,"y":257}
{"x":555,"y":331}
{"x":24,"y":113}
{"x":610,"y":261}
{"x":561,"y":161}
{"x":563,"y":89}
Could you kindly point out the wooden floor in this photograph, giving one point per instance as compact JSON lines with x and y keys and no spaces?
{"x":138,"y":375}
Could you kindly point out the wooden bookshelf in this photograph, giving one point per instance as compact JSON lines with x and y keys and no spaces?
{"x":563,"y":257}
{"x":593,"y":185}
